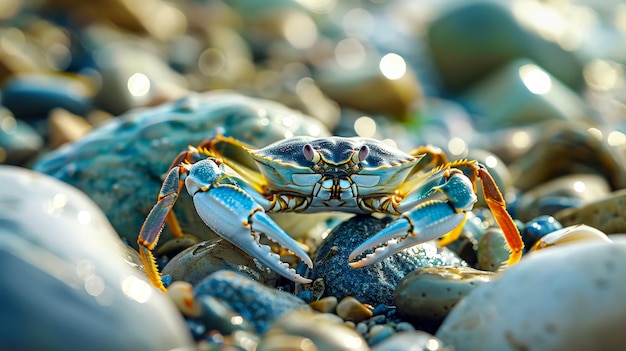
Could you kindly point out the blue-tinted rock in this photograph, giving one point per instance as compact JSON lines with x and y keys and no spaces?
{"x":19,"y":142}
{"x":373,"y":284}
{"x":65,"y":282}
{"x":538,"y":228}
{"x":34,"y":96}
{"x":253,"y":301}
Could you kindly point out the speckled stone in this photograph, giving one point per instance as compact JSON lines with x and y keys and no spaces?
{"x":606,"y":214}
{"x":563,"y":298}
{"x":197,"y":262}
{"x":492,"y":250}
{"x":430,"y":293}
{"x":255,"y":302}
{"x":373,"y":284}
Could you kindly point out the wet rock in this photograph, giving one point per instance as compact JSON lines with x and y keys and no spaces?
{"x":411,"y":340}
{"x":563,"y":192}
{"x":430,"y":293}
{"x":217,"y":315}
{"x":327,"y":304}
{"x":19,"y":142}
{"x":470,"y":40}
{"x":366,"y":88}
{"x":64,"y":276}
{"x":373,"y":284}
{"x":120,"y":163}
{"x":563,"y":298}
{"x":71,"y":93}
{"x":492,"y":250}
{"x":570,"y":235}
{"x":522,"y":93}
{"x":351,"y":309}
{"x":537,"y":228}
{"x":605,"y":214}
{"x":568,"y":148}
{"x":322,"y":332}
{"x":255,"y":302}
{"x":197,"y":262}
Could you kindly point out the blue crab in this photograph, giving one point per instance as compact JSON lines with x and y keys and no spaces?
{"x":429,"y":195}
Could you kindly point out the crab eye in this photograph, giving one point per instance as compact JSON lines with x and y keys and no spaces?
{"x":361,"y":155}
{"x":310,"y":154}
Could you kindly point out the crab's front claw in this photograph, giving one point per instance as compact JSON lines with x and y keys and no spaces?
{"x":427,"y":222}
{"x":234,"y":215}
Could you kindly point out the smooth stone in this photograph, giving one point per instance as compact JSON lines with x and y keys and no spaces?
{"x":373,"y":284}
{"x":411,"y":340}
{"x":65,"y":127}
{"x":255,"y":302}
{"x":492,"y":250}
{"x":470,"y":40}
{"x":19,"y":142}
{"x":132,"y":77}
{"x":217,"y":315}
{"x":378,"y":333}
{"x":537,"y":228}
{"x":564,"y":298}
{"x":568,"y":235}
{"x":326,"y":304}
{"x":568,"y":148}
{"x":198,"y":261}
{"x":119,"y":164}
{"x":366,"y":89}
{"x":323,"y":332}
{"x":430,"y":293}
{"x":575,"y":189}
{"x":181,"y":293}
{"x":511,"y":96}
{"x":605,"y":214}
{"x":351,"y":309}
{"x":71,"y":93}
{"x":65,"y":279}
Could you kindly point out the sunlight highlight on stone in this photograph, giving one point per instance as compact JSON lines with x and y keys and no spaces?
{"x":138,"y":84}
{"x":535,"y":79}
{"x":392,"y":66}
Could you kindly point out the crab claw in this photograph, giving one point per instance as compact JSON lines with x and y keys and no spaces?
{"x":235,"y":216}
{"x":429,"y":221}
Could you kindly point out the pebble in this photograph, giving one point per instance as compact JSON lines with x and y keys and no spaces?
{"x":573,"y":190}
{"x":255,"y":302}
{"x":507,"y":98}
{"x":19,"y":142}
{"x":65,"y":127}
{"x":326,"y":304}
{"x":492,"y":250}
{"x":569,"y":235}
{"x":72,"y":93}
{"x":605,"y":214}
{"x":181,"y":293}
{"x":429,"y":294}
{"x":65,"y":275}
{"x":217,"y":315}
{"x":536,"y":229}
{"x":350,"y":309}
{"x":564,"y":298}
{"x":320,"y":329}
{"x":198,"y":261}
{"x":411,"y":340}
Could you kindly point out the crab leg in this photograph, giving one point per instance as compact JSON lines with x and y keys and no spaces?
{"x":153,"y":225}
{"x":496,"y":204}
{"x":429,"y":220}
{"x":234,"y":215}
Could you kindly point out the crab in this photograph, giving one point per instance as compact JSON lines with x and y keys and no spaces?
{"x":429,"y":195}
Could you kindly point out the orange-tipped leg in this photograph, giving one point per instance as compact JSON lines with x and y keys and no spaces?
{"x":496,"y":204}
